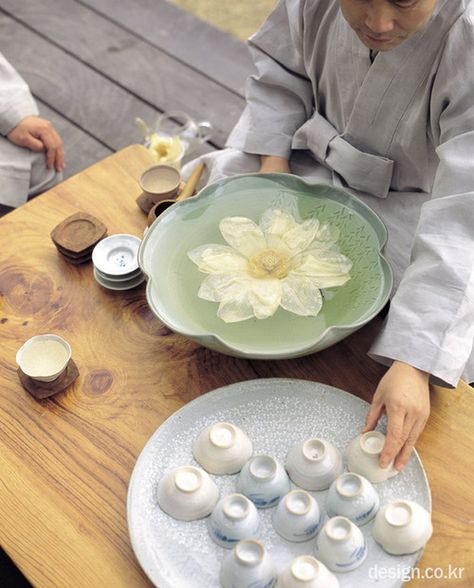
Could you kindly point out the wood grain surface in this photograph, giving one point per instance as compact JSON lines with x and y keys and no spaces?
{"x":66,"y":461}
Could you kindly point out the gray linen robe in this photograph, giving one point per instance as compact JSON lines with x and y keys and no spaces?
{"x":398,"y":133}
{"x":23,"y":172}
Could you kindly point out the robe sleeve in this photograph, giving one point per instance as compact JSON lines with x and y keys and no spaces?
{"x":16,"y":101}
{"x":279,"y":97}
{"x":430,"y":324}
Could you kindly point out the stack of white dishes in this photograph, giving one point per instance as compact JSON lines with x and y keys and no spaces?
{"x":115,"y":262}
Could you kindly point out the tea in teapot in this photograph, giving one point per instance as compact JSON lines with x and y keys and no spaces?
{"x":174,"y":135}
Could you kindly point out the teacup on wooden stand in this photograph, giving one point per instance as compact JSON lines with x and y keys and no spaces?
{"x":45,"y":366}
{"x":44,"y":357}
{"x":158,"y":183}
{"x":186,"y":192}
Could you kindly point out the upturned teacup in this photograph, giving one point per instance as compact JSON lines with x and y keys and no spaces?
{"x":354,"y":497}
{"x":263,"y":480}
{"x":298,"y":516}
{"x":233,"y":518}
{"x":341,"y":545}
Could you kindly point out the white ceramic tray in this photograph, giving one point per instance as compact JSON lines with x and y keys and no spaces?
{"x":276,"y":414}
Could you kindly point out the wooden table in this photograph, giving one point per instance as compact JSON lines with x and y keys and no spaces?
{"x":65,"y":462}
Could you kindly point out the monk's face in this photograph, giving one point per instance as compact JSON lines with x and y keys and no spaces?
{"x":384,"y":24}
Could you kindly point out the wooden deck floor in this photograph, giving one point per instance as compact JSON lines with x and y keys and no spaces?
{"x":95,"y":65}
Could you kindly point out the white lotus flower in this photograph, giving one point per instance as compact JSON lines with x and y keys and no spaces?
{"x":278,"y":262}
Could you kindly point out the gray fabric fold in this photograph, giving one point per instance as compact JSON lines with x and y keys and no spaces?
{"x":361,"y":171}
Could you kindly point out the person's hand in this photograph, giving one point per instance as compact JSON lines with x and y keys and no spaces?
{"x":272,"y":163}
{"x":403,"y":394}
{"x":38,"y":134}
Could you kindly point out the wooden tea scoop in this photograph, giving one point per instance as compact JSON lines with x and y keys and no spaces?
{"x":187,"y":191}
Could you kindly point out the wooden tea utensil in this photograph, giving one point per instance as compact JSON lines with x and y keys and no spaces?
{"x":187,"y":191}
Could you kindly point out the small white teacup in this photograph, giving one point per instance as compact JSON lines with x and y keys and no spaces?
{"x":314,"y":464}
{"x":263,"y":480}
{"x":402,"y":527}
{"x":234,"y":518}
{"x":44,"y":357}
{"x":341,"y":545}
{"x":187,"y":493}
{"x":363,"y":455}
{"x":298,"y":516}
{"x":354,"y":497}
{"x":306,"y":571}
{"x":248,"y":565}
{"x":222,"y":448}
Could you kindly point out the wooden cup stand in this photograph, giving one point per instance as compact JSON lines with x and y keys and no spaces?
{"x":77,"y":235}
{"x":146,"y":201}
{"x":41,"y":390}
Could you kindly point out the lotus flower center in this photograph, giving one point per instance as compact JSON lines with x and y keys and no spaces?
{"x":269,"y":264}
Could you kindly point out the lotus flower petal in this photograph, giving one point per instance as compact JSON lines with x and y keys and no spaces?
{"x":301,"y":295}
{"x":279,"y":225}
{"x":255,"y":298}
{"x":265,"y":297}
{"x":243,"y":235}
{"x":276,"y":222}
{"x":325,"y":237}
{"x":236,"y":309}
{"x":217,"y":258}
{"x":222,"y":286}
{"x":329,"y":267}
{"x":279,"y":263}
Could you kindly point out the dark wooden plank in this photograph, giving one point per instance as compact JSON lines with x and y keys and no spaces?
{"x":209,"y":50}
{"x":146,"y":72}
{"x":81,"y":150}
{"x":82,"y":95}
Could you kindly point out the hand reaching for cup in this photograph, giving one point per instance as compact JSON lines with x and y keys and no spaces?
{"x":38,"y":134}
{"x":403,"y":394}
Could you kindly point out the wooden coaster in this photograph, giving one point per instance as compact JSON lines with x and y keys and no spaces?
{"x":74,"y":258}
{"x":77,"y":260}
{"x":72,"y":255}
{"x":78,"y":233}
{"x":42,"y":390}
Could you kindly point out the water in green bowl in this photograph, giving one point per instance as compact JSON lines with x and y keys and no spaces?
{"x":175,"y":280}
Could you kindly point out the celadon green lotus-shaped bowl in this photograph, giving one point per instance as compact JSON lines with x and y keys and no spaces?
{"x":174,"y":280}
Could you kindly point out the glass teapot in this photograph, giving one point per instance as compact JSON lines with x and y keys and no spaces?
{"x":174,"y":135}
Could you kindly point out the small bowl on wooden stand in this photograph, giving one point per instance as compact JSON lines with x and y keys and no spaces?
{"x":45,"y":366}
{"x":186,"y":190}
